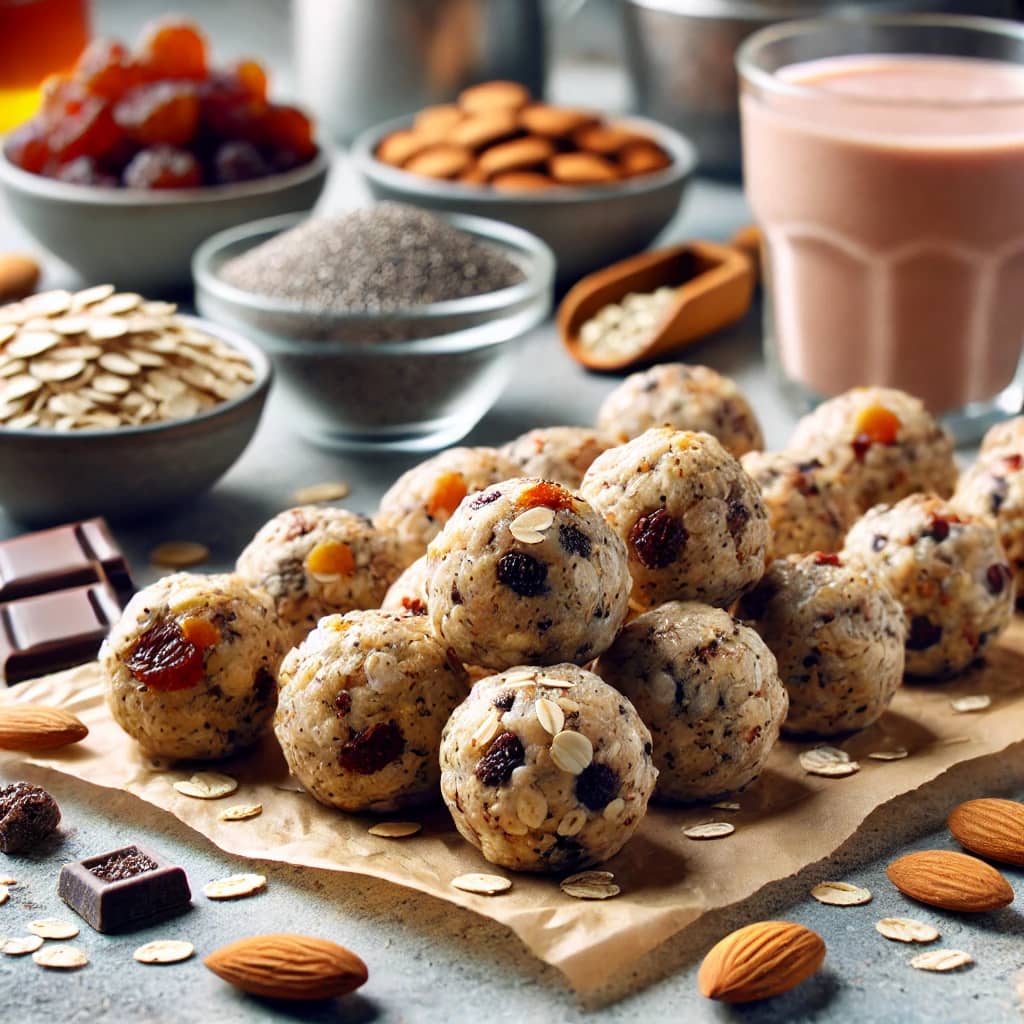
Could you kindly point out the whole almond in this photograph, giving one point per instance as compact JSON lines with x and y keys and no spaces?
{"x":34,"y":727}
{"x":19,"y":275}
{"x":991,"y":828}
{"x":288,"y":967}
{"x":952,"y":881}
{"x":760,"y":960}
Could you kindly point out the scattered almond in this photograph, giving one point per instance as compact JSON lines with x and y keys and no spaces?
{"x":234,"y":887}
{"x":709,"y":830}
{"x":53,"y":928}
{"x":991,"y":828}
{"x":207,"y":786}
{"x":830,"y":762}
{"x":179,"y":554}
{"x":289,"y":967}
{"x":965,"y":705}
{"x":941,"y":960}
{"x":906,"y":929}
{"x":841,"y":894}
{"x":62,"y":958}
{"x":164,"y":951}
{"x":19,"y":275}
{"x":4,"y":895}
{"x":482,"y":884}
{"x":395,"y":829}
{"x":761,"y":960}
{"x":35,"y":727}
{"x":953,"y":881}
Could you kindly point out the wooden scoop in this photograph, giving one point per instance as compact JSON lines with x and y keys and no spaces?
{"x":715,"y":285}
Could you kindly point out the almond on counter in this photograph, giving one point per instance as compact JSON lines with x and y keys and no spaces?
{"x":990,"y":828}
{"x":952,"y":881}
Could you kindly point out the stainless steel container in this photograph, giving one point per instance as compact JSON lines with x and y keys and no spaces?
{"x":360,"y":62}
{"x":680,"y":58}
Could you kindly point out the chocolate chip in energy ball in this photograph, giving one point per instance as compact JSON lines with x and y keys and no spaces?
{"x":28,"y":816}
{"x":503,"y":756}
{"x":657,"y":539}
{"x":522,"y":573}
{"x":372,"y":749}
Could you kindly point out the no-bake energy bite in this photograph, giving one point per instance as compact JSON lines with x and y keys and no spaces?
{"x":809,"y":507}
{"x":562,"y":454}
{"x":707,"y":688}
{"x":527,"y":573}
{"x":1008,"y":434}
{"x":693,"y":521}
{"x":422,"y":500}
{"x":684,"y":397}
{"x":883,"y":442}
{"x":546,"y":769}
{"x":409,"y":592}
{"x":947,"y":570}
{"x":191,"y":667}
{"x":363,"y":701}
{"x":317,"y":560}
{"x":838,"y":636}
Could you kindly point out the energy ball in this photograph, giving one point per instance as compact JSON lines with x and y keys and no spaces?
{"x":1008,"y":434}
{"x":708,"y":689}
{"x":693,"y":521}
{"x":317,"y":560}
{"x":546,"y":769}
{"x":363,"y":701}
{"x":683,"y":397}
{"x":191,"y":667}
{"x":409,"y":592}
{"x":419,"y":503}
{"x":838,"y":635}
{"x":883,"y":442}
{"x":994,"y":487}
{"x":949,"y":573}
{"x":526,"y":573}
{"x":561,"y":454}
{"x":809,"y":508}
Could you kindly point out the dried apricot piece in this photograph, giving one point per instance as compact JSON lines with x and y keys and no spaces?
{"x":448,"y":490}
{"x":331,"y":558}
{"x":877,"y":425}
{"x":27,"y":147}
{"x":251,"y":77}
{"x":163,"y":658}
{"x":164,"y":112}
{"x":90,"y":131}
{"x":546,"y":494}
{"x":106,"y":69}
{"x":173,"y":48}
{"x":59,"y":97}
{"x":200,"y":632}
{"x":288,"y":129}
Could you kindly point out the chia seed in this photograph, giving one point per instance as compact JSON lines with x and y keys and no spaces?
{"x":376,"y":260}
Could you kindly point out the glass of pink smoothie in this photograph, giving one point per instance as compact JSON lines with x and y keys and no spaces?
{"x":884,"y":161}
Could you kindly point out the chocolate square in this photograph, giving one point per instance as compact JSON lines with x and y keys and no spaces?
{"x":125,"y":889}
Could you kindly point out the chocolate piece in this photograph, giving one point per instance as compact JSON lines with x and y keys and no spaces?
{"x":124,"y":890}
{"x":60,"y":592}
{"x":28,"y":815}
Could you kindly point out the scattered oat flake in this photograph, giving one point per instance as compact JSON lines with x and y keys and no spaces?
{"x":207,"y":786}
{"x":976,"y":702}
{"x":726,"y":805}
{"x":830,"y":762}
{"x":572,"y":751}
{"x":590,"y":890}
{"x":906,"y":929}
{"x":63,"y":958}
{"x":550,"y":716}
{"x":53,"y":928}
{"x":164,"y":951}
{"x":241,"y":812}
{"x":314,"y":494}
{"x":235,"y":887}
{"x":896,"y":754}
{"x":709,"y":830}
{"x":177,"y":554}
{"x":20,"y":945}
{"x":941,"y":960}
{"x":395,"y":829}
{"x":483,"y":885}
{"x":840,"y":894}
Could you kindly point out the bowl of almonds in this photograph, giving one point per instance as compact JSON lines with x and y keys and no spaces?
{"x":114,"y":405}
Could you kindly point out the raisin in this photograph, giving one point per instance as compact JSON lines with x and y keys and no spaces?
{"x":238,"y":160}
{"x":657,"y":539}
{"x":123,"y":864}
{"x":923,"y":633}
{"x":106,"y":69}
{"x":997,"y":577}
{"x":504,"y":701}
{"x":574,"y":541}
{"x":173,"y":48}
{"x":938,"y":530}
{"x":287,"y":128}
{"x":825,"y":558}
{"x":163,"y":167}
{"x":484,"y":498}
{"x":503,"y":756}
{"x":737,"y":517}
{"x":84,"y":171}
{"x":372,"y":749}
{"x":597,"y":786}
{"x":343,"y":703}
{"x":27,"y":147}
{"x":28,"y":815}
{"x":546,"y":495}
{"x":523,"y":574}
{"x":163,"y":658}
{"x":164,"y":112}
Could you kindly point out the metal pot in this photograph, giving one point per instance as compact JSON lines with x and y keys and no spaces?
{"x":680,"y":58}
{"x":360,"y":62}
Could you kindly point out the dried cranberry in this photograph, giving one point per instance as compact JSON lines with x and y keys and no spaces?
{"x":484,"y":498}
{"x":27,"y":147}
{"x":84,"y":171}
{"x":414,"y":606}
{"x":28,"y":815}
{"x":343,"y":703}
{"x":825,"y":558}
{"x":860,"y":444}
{"x":923,"y":633}
{"x":657,"y":539}
{"x":574,"y":541}
{"x":938,"y":530}
{"x":503,"y":756}
{"x":1013,"y":462}
{"x":522,"y":573}
{"x":163,"y":658}
{"x":90,"y":131}
{"x":238,"y":160}
{"x":372,"y":749}
{"x":997,"y":577}
{"x":597,"y":786}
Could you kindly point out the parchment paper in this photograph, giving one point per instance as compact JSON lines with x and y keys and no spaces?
{"x":788,"y":819}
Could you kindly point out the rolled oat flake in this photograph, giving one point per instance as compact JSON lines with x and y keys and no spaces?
{"x":841,"y":894}
{"x":482,"y":884}
{"x":941,"y":960}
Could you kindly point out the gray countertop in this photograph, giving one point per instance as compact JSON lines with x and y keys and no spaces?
{"x":428,"y":960}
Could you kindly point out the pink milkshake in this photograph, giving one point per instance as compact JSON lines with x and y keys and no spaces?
{"x":890,"y":190}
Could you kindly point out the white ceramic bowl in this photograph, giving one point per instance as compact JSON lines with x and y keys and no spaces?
{"x":143,"y":240}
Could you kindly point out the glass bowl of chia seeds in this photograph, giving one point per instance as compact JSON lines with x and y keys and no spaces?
{"x":390,"y":328}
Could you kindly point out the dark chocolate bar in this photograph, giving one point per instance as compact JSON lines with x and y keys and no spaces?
{"x":60,"y":592}
{"x":124,"y":890}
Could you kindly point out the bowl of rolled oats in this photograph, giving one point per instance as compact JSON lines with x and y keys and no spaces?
{"x":114,"y":405}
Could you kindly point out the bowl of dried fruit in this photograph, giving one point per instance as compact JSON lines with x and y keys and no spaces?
{"x":113,"y":405}
{"x":595,"y":190}
{"x":138,"y":155}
